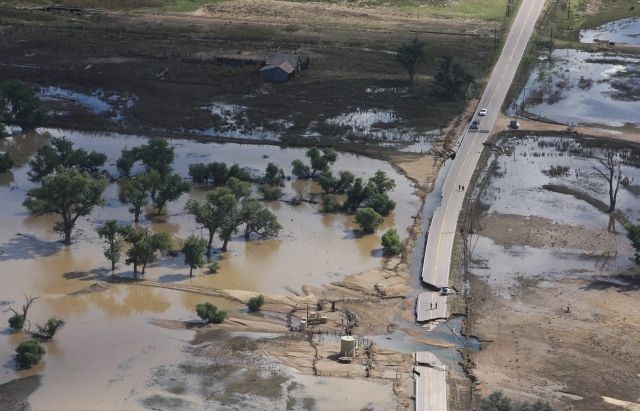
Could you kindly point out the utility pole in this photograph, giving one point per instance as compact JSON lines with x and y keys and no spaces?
{"x":568,"y":9}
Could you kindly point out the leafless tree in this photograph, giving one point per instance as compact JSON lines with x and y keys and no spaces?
{"x":609,"y":168}
{"x":20,"y":319}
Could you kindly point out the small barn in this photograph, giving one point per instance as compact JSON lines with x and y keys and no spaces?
{"x":280,"y":73}
{"x":280,"y":67}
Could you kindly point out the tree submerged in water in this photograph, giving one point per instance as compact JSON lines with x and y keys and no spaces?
{"x":209,"y":313}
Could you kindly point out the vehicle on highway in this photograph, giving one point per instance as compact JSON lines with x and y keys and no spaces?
{"x":474,"y":124}
{"x":483,"y":112}
{"x":447,"y":291}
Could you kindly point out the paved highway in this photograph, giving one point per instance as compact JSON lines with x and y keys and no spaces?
{"x":431,"y":388}
{"x":437,"y":257}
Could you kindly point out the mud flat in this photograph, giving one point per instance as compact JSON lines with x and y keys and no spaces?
{"x":553,"y":292}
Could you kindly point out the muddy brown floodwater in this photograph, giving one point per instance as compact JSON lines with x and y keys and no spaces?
{"x":109,"y":348}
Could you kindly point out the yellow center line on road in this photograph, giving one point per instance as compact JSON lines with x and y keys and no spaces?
{"x":520,"y":33}
{"x":448,"y":201}
{"x":446,"y":210}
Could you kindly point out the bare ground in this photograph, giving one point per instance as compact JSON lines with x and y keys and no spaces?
{"x":568,"y":341}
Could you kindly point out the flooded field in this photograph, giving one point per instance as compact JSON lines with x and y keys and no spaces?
{"x":515,"y":191}
{"x":583,"y":88}
{"x":626,"y":31}
{"x":110,"y":344}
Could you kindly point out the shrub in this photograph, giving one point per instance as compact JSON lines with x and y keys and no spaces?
{"x":50,"y":328}
{"x":391,"y":242}
{"x":270,"y":193}
{"x":5,"y":160}
{"x":214,"y":267}
{"x":209,"y":313}
{"x":30,"y":352}
{"x":16,"y":322}
{"x":330,"y":203}
{"x":368,"y":219}
{"x":255,"y":303}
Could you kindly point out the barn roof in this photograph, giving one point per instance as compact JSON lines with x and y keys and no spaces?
{"x":276,"y":59}
{"x":285,"y":66}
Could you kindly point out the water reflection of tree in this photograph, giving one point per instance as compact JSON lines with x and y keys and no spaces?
{"x":6,"y":178}
{"x":120,"y":300}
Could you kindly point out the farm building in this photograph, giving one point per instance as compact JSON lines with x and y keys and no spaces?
{"x":280,"y":67}
{"x":280,"y":73}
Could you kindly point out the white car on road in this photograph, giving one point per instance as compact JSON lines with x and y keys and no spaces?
{"x":483,"y":112}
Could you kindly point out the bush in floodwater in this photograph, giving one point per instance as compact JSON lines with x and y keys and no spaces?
{"x":391,"y":242}
{"x":30,"y":352}
{"x":5,"y":159}
{"x":556,"y":171}
{"x":255,"y":303}
{"x":16,"y":322}
{"x":50,"y":328}
{"x":270,"y":193}
{"x":330,"y":203}
{"x":209,"y":313}
{"x":214,"y":267}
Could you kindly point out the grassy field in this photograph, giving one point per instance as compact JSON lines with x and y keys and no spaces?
{"x":483,"y":9}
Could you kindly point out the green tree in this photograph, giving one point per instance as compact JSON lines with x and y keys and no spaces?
{"x":49,"y":330}
{"x":235,"y":171}
{"x":633,"y":234}
{"x":193,"y":251}
{"x":255,"y":303}
{"x":451,"y":77}
{"x":210,"y":214}
{"x":209,"y":313}
{"x":381,"y":203}
{"x":382,"y":183}
{"x":274,"y":175}
{"x":68,"y":193}
{"x":126,"y":161}
{"x":60,"y":153}
{"x":135,"y":192}
{"x":356,"y":194}
{"x":144,"y":246}
{"x":270,"y":193}
{"x":330,"y":203}
{"x":199,"y":173}
{"x":233,"y":216}
{"x":110,"y":231}
{"x":169,"y":188}
{"x":24,"y":105}
{"x":157,"y":155}
{"x":391,"y":242}
{"x":30,"y":353}
{"x":258,"y":219}
{"x":300,"y":169}
{"x":218,"y":172}
{"x":410,"y":55}
{"x":5,"y":162}
{"x":368,"y":219}
{"x":321,"y":160}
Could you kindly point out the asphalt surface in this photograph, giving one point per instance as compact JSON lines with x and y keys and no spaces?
{"x":431,"y":387}
{"x":437,"y":256}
